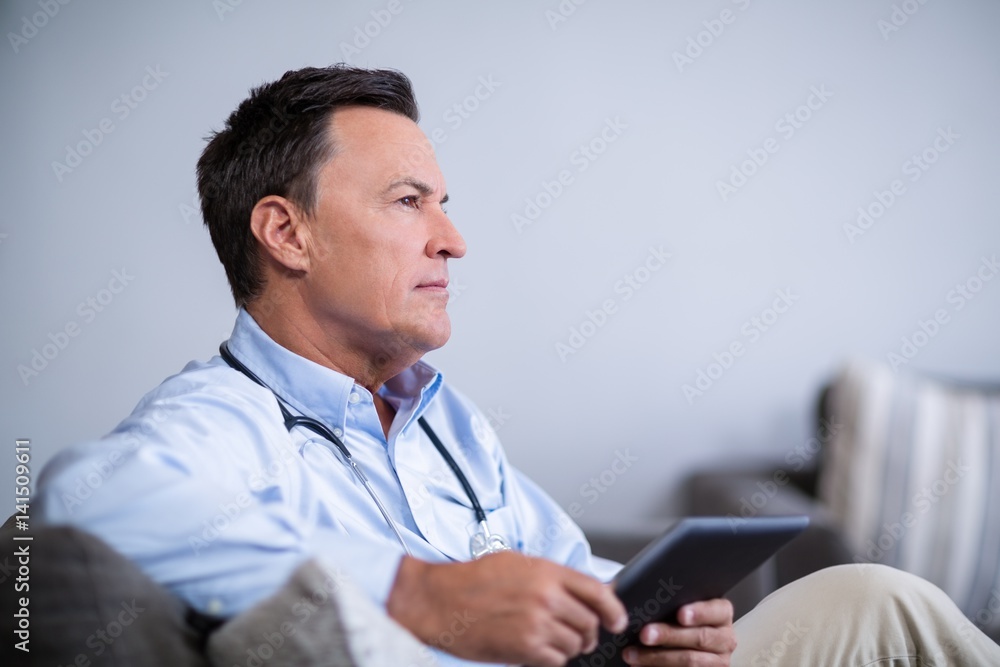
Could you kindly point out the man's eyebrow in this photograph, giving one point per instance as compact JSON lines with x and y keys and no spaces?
{"x":423,"y":188}
{"x":418,"y":185}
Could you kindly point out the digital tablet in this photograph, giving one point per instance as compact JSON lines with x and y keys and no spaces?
{"x":698,"y":558}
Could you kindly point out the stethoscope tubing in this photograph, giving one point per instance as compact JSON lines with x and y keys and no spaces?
{"x":320,"y":429}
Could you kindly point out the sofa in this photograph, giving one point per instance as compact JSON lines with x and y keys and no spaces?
{"x":902,"y":469}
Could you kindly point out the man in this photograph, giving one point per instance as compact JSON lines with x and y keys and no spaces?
{"x":315,"y":436}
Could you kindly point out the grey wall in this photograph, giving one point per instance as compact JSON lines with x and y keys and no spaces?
{"x":678,"y":129}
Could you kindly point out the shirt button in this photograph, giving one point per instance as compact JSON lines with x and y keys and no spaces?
{"x":214,"y":607}
{"x":354,"y":397}
{"x":338,"y":432}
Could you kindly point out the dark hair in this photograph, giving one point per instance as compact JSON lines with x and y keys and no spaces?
{"x":275,"y":143}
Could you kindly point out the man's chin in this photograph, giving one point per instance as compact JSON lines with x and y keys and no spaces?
{"x":436,"y":338}
{"x":427,"y":337}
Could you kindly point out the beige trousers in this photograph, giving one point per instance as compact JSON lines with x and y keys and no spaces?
{"x":858,"y":616}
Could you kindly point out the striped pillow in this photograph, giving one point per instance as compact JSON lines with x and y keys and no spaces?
{"x":913,"y":480}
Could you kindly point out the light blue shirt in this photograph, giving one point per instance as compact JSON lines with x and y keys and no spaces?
{"x":204,"y":488}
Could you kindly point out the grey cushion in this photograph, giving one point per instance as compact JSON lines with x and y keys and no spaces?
{"x":89,"y":605}
{"x":316,"y":619}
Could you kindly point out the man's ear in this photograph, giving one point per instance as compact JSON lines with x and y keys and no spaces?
{"x":279,"y":226}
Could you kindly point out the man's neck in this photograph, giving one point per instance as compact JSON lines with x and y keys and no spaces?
{"x":303,"y":335}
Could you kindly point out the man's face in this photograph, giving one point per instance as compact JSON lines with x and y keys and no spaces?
{"x":380,"y":238}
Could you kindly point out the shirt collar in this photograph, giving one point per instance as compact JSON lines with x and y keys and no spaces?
{"x":412,"y":390}
{"x":317,"y":391}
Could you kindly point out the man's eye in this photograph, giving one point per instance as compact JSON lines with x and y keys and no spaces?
{"x":410,"y":201}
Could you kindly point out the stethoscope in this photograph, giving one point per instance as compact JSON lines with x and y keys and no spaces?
{"x":481,"y":544}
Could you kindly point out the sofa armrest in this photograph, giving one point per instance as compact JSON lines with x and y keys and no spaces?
{"x":750,"y":493}
{"x":88,"y":605}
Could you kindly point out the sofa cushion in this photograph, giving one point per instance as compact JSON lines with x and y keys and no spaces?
{"x":89,"y":606}
{"x":316,"y":619}
{"x":913,"y":480}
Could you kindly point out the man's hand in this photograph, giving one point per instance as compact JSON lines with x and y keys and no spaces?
{"x":703,"y":636}
{"x":505,"y":607}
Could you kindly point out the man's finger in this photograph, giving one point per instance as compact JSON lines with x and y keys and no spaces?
{"x":580,"y":618}
{"x":600,"y":598}
{"x":708,"y":612}
{"x":566,"y":640}
{"x":709,"y":639}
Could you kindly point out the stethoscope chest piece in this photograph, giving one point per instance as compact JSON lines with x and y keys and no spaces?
{"x":484,"y":543}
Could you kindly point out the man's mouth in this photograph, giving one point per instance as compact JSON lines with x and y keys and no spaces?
{"x":440,"y":285}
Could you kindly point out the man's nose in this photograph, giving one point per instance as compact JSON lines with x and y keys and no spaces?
{"x":446,"y":239}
